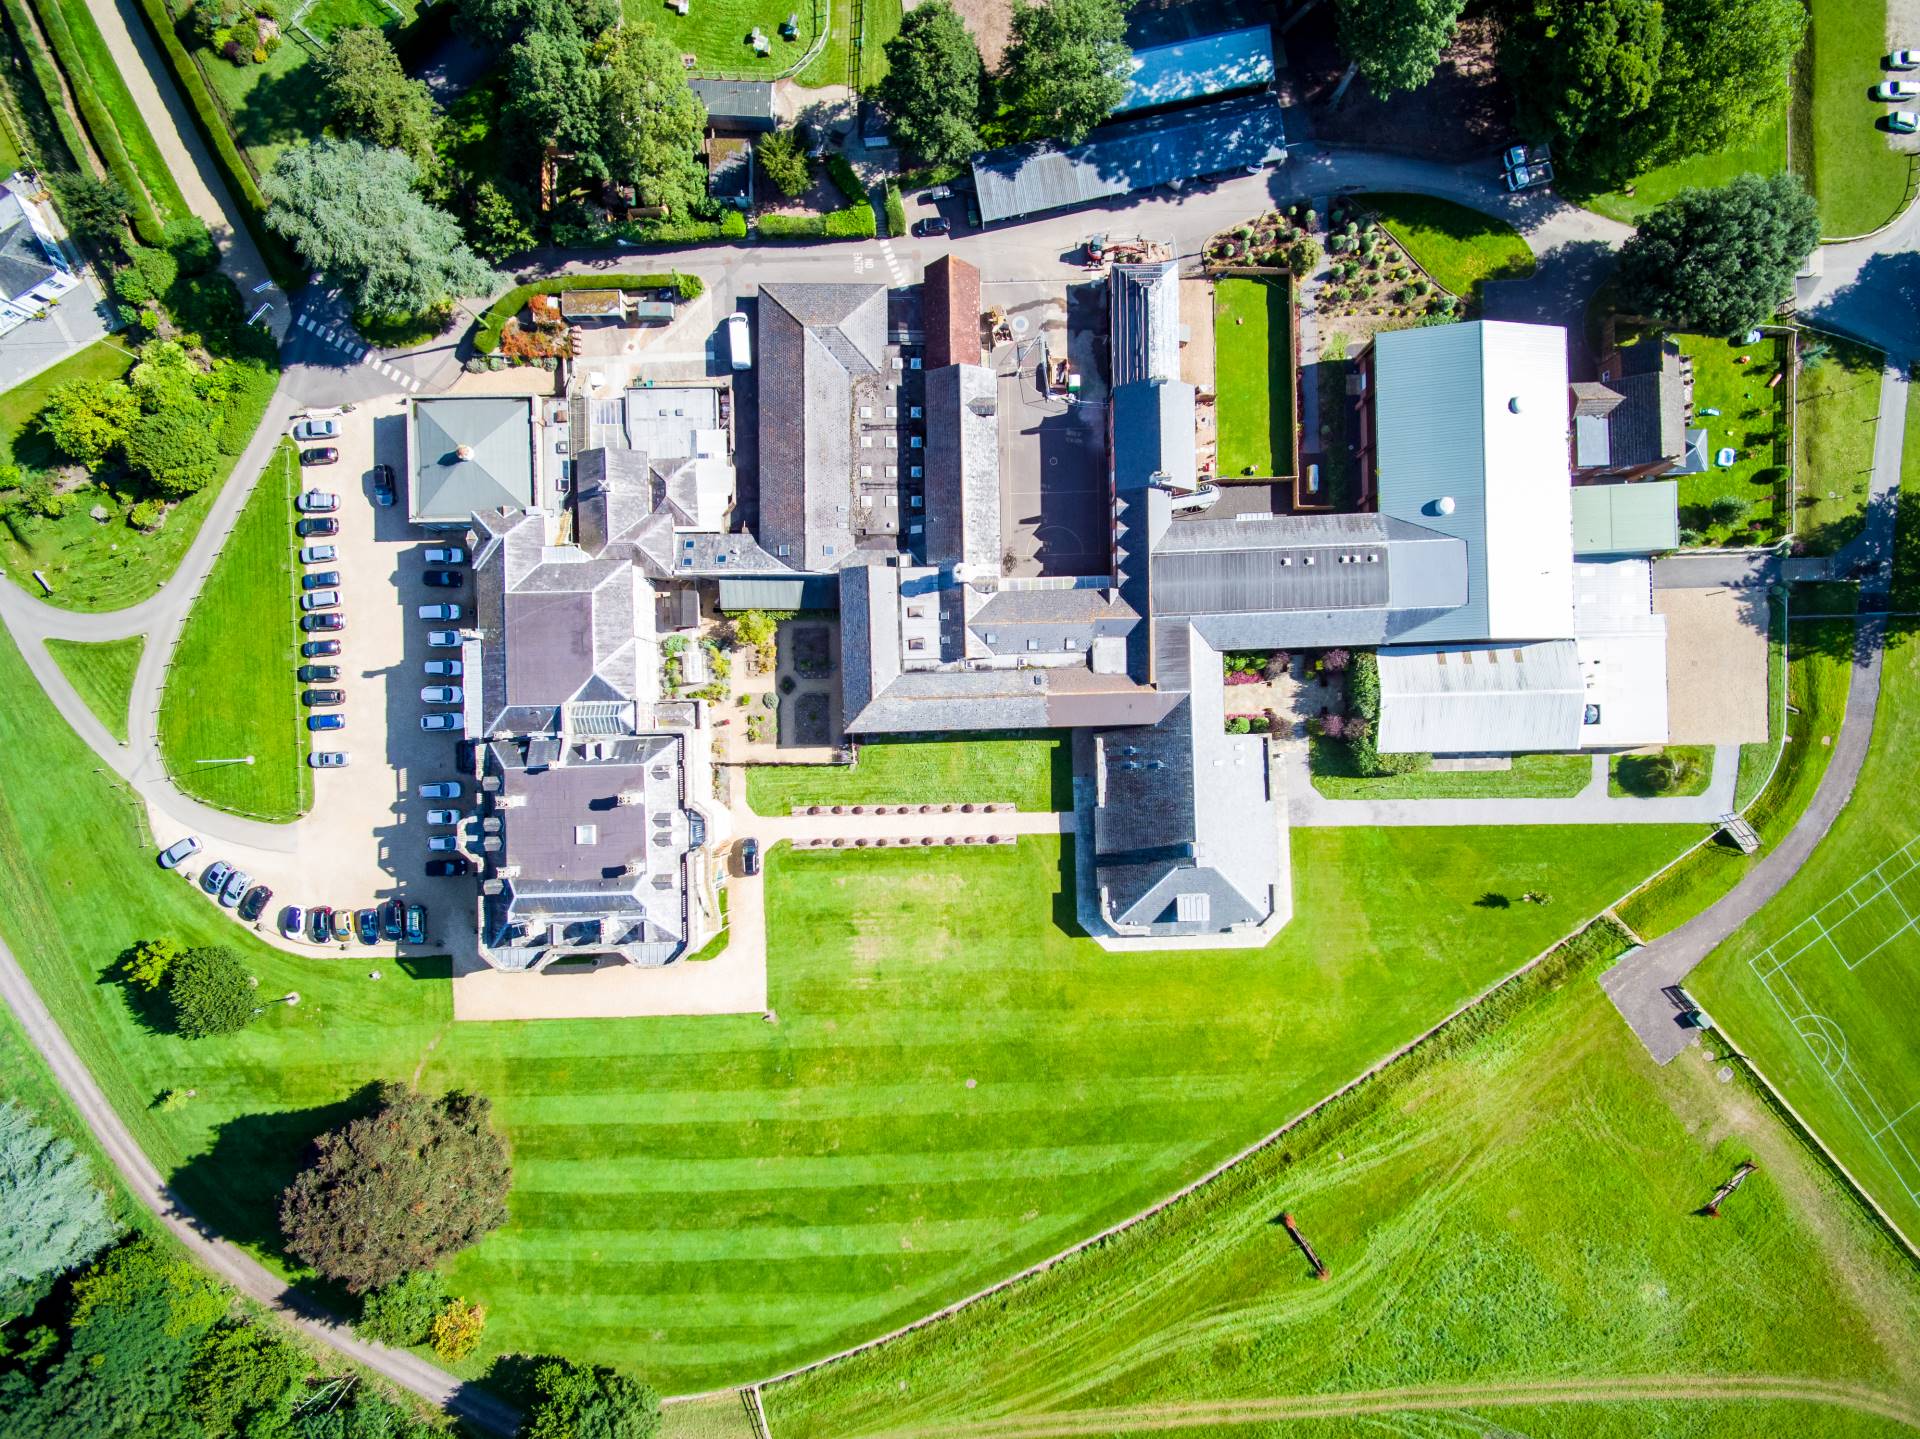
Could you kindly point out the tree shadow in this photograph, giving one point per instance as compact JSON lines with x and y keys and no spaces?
{"x":1492,"y":900}
{"x":150,"y":1008}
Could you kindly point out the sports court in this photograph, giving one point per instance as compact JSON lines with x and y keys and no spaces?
{"x":1847,"y":979}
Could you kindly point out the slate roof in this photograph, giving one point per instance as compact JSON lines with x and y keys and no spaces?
{"x":470,"y":454}
{"x":24,"y":262}
{"x":742,"y":104}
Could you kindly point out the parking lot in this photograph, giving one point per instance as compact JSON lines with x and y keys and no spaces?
{"x":366,"y":838}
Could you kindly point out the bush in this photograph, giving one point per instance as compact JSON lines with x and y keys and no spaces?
{"x":783,"y":160}
{"x":733,"y":226}
{"x":455,"y":1331}
{"x":896,"y":211}
{"x":856,"y":222}
{"x":147,"y":275}
{"x":401,"y":1313}
{"x":210,"y":993}
{"x":792,"y":227}
{"x":147,"y":516}
{"x":672,"y":232}
{"x":840,"y":170}
{"x":1363,"y":709}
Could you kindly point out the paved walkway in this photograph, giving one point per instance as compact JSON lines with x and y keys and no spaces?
{"x":1642,"y":985}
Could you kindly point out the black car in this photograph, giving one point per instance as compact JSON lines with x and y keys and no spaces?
{"x":320,"y":580}
{"x":749,"y":856}
{"x":441,"y":579}
{"x":318,"y":674}
{"x":319,"y":647}
{"x":320,"y":455}
{"x":383,"y":484}
{"x":316,"y":699}
{"x":367,"y":922}
{"x":256,"y":902}
{"x":319,"y":924}
{"x":323,"y":620}
{"x":393,"y":920}
{"x":316,"y":525}
{"x":934,"y":225}
{"x":448,"y":868}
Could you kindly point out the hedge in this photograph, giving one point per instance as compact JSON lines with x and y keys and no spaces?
{"x":841,"y":171}
{"x":214,"y":129}
{"x":854,"y":222}
{"x":1363,"y":702}
{"x":47,"y":78}
{"x":896,"y":212}
{"x":792,"y":227}
{"x":486,"y":331}
{"x":733,"y":226}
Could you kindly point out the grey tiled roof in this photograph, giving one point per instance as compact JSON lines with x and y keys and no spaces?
{"x":963,"y":468}
{"x":23,"y":258}
{"x":470,"y":454}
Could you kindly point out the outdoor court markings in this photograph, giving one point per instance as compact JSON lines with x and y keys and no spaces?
{"x":1873,"y":912}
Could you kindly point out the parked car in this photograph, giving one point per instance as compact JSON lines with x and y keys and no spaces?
{"x":393,"y":920}
{"x":442,"y":579}
{"x":443,"y":639}
{"x":322,"y":455}
{"x":313,"y":648}
{"x":440,"y":695}
{"x":1902,"y":122}
{"x":328,"y":759}
{"x":319,"y":924}
{"x":256,"y":902}
{"x":383,"y":485}
{"x":238,"y":883}
{"x":320,"y":579}
{"x":319,"y":555}
{"x":316,"y":430}
{"x":440,"y":789}
{"x":215,"y":875}
{"x":439,"y":612}
{"x":180,"y":849}
{"x":739,"y":341}
{"x":1903,"y":60}
{"x":1200,"y":497}
{"x":320,"y":525}
{"x":441,"y":720}
{"x":342,"y":926}
{"x":1529,"y":177}
{"x":317,"y":674}
{"x":450,"y":866}
{"x":327,"y":621}
{"x":445,"y":555}
{"x":416,"y":924}
{"x":443,"y":843}
{"x":443,"y":816}
{"x":1517,"y":155}
{"x":326,"y":722}
{"x":933,"y":225}
{"x":320,"y":600}
{"x":293,"y":921}
{"x":318,"y":502}
{"x":1890,"y":90}
{"x":449,"y":669}
{"x":366,"y":923}
{"x":749,"y":856}
{"x":320,"y":699}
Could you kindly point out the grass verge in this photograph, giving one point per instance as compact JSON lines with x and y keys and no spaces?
{"x":1253,"y":372}
{"x":1033,"y":772}
{"x":230,"y":690}
{"x":1763,"y":153}
{"x":1532,"y":776}
{"x":1458,"y":247}
{"x":1839,"y":402}
{"x":102,"y":675}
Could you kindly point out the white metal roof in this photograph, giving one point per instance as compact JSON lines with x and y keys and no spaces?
{"x":1622,"y":645}
{"x":1480,"y":699}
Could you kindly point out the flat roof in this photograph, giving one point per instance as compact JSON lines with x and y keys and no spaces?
{"x":1193,"y":69}
{"x":1628,"y":519}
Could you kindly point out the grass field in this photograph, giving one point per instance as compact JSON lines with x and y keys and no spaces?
{"x":1839,"y":403}
{"x":1763,"y":153}
{"x":230,"y":691}
{"x":1533,"y":776}
{"x":1627,"y":778}
{"x":1753,"y":421}
{"x":880,"y":23}
{"x":1458,"y":247}
{"x":1033,"y":773}
{"x":708,"y":1200}
{"x":102,"y":674}
{"x":1253,"y":376}
{"x":717,"y":32}
{"x":1515,"y":1205}
{"x":1858,"y":178}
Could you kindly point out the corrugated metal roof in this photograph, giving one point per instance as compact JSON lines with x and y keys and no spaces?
{"x":1193,"y":69}
{"x":1136,"y":155}
{"x":1481,"y":699}
{"x":1635,"y":519}
{"x":798,"y":592}
{"x":1143,"y":316}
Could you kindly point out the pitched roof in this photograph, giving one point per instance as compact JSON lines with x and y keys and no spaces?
{"x":1627,"y":519}
{"x":963,"y":468}
{"x":1186,"y":70}
{"x":1144,"y":317}
{"x":950,"y":303}
{"x":1481,"y":699}
{"x":470,"y":454}
{"x":23,"y":256}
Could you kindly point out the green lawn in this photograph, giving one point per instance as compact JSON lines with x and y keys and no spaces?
{"x":1253,"y":376}
{"x":1839,"y":403}
{"x":20,"y":442}
{"x":1518,"y":1203}
{"x":103,"y":676}
{"x":717,"y":33}
{"x":880,"y":23}
{"x":1458,"y":247}
{"x":1906,"y":553}
{"x":1763,"y":153}
{"x":1628,"y":777}
{"x":1819,"y":673}
{"x":1859,"y":179}
{"x":1032,"y":772}
{"x":1753,"y":422}
{"x":1533,"y":776}
{"x":230,"y":690}
{"x":708,"y":1200}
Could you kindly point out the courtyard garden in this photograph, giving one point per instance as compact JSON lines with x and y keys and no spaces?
{"x":1838,"y":406}
{"x":1460,"y":249}
{"x":1253,"y":344}
{"x":1030,"y":772}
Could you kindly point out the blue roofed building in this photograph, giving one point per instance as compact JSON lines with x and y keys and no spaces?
{"x":1205,"y":68}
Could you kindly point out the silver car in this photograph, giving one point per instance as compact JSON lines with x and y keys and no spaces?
{"x":319,"y":555}
{"x":444,"y":669}
{"x":440,"y":695}
{"x":316,"y":430}
{"x":320,"y":600}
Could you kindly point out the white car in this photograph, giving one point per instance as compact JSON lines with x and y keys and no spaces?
{"x":445,"y":555}
{"x":440,"y":695}
{"x":320,"y":600}
{"x":317,"y":502}
{"x":1904,"y":122}
{"x":319,"y":555}
{"x":444,"y":669}
{"x":1903,"y":60}
{"x":316,"y":430}
{"x":443,"y":639}
{"x":439,"y":612}
{"x":440,"y":789}
{"x":443,"y":720}
{"x":441,"y":843}
{"x":1896,"y":90}
{"x":443,"y":817}
{"x":739,"y":341}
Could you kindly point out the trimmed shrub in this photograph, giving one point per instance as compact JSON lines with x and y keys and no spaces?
{"x":840,"y":170}
{"x":896,"y":212}
{"x":733,"y":226}
{"x":402,"y":1312}
{"x":856,"y":222}
{"x":792,"y":227}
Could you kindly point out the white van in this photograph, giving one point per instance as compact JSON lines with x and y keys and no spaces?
{"x":739,"y":342}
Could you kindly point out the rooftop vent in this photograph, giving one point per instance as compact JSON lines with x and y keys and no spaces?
{"x":1442,"y":506}
{"x":1513,"y":404}
{"x":464,"y":452}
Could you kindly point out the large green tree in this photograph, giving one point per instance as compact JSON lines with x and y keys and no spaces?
{"x":351,"y":209}
{"x":241,"y":1374}
{"x":208,"y":988}
{"x":590,"y":1401}
{"x":1396,"y":44}
{"x":554,"y":94}
{"x":931,"y":92}
{"x":1065,"y":66}
{"x":1726,"y":66}
{"x":650,"y":120}
{"x":53,"y":1217}
{"x":369,"y":96}
{"x":1721,"y":260}
{"x":500,"y":22}
{"x":398,"y":1190}
{"x":90,"y":419}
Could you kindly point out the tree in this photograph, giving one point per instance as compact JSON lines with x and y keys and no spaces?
{"x":240,"y":1370}
{"x":94,"y":209}
{"x":455,"y":1331}
{"x":151,"y":961}
{"x":783,"y":160}
{"x":1396,"y":44}
{"x":90,"y":419}
{"x":651,"y":121}
{"x":398,"y":1190}
{"x":351,"y":210}
{"x":1726,"y":67}
{"x":590,"y":1401}
{"x":932,"y":86}
{"x":1584,"y":73}
{"x":554,"y":96}
{"x":1720,"y":261}
{"x":499,"y":220}
{"x":1064,"y":68}
{"x":53,"y":1217}
{"x":500,"y":22}
{"x":177,"y":446}
{"x":402,"y":1312}
{"x":210,"y":992}
{"x":368,"y":95}
{"x":755,"y":627}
